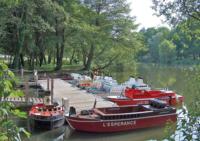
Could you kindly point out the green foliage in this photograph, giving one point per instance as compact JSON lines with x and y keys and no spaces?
{"x":8,"y":128}
{"x":181,"y":43}
{"x":153,"y":38}
{"x":96,"y":33}
{"x":167,"y":52}
{"x":177,"y":11}
{"x":184,"y":16}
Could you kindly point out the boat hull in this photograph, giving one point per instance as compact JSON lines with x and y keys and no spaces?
{"x":135,"y":101}
{"x":120,"y":125}
{"x":47,"y":123}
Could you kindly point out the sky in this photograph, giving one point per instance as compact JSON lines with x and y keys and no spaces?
{"x":144,"y":14}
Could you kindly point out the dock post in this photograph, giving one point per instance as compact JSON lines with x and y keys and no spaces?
{"x":47,"y":83}
{"x":26,"y":92}
{"x":65,"y":104}
{"x":22,"y":73}
{"x":52,"y":87}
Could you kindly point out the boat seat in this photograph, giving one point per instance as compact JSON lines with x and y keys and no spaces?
{"x":72,"y":111}
{"x":85,"y":112}
{"x":157,"y":103}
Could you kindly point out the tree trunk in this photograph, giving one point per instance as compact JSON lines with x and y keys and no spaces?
{"x":49,"y":57}
{"x":22,"y":60}
{"x":89,"y":58}
{"x":60,"y":51}
{"x":72,"y":57}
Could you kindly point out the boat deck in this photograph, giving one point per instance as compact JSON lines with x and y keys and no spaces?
{"x":78,"y":98}
{"x":122,"y":110}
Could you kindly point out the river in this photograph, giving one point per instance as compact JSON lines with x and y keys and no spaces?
{"x":181,"y":80}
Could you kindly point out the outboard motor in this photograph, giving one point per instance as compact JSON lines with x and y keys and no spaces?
{"x":157,"y":103}
{"x":72,"y":111}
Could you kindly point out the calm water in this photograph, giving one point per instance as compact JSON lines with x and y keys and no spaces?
{"x":178,"y":79}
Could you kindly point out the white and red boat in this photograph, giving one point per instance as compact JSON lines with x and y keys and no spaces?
{"x":136,"y":96}
{"x":45,"y":116}
{"x":115,"y":119}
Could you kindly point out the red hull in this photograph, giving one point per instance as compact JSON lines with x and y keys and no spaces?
{"x":136,"y":96}
{"x":120,"y":125}
{"x":128,"y":101}
{"x":136,"y":93}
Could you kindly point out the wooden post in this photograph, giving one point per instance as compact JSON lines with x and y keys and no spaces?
{"x":47,"y":83}
{"x":52,"y":86}
{"x":26,"y":91}
{"x":22,"y":73}
{"x":36,"y":76}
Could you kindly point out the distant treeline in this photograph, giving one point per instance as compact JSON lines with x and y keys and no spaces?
{"x":181,"y":43}
{"x":177,"y":45}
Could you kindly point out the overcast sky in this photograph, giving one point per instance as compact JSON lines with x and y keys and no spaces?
{"x":144,"y":14}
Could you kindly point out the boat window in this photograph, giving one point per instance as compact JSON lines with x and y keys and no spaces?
{"x":50,"y":110}
{"x":54,"y":109}
{"x":58,"y":108}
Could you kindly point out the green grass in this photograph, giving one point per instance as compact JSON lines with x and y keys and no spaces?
{"x":65,"y":67}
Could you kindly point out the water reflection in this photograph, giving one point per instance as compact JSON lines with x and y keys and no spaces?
{"x":51,"y":135}
{"x":66,"y":134}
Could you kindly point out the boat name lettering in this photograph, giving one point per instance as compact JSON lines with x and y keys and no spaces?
{"x":118,"y":123}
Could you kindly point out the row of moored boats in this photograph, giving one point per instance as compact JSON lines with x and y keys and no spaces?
{"x":139,"y":106}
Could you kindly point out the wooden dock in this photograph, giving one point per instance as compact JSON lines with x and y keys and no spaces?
{"x":78,"y":98}
{"x":17,"y":100}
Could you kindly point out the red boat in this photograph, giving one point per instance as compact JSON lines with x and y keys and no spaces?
{"x":46,"y":116}
{"x":136,"y":96}
{"x":115,"y":119}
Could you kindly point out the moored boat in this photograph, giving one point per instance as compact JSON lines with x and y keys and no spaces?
{"x":135,"y":96}
{"x":46,"y":116}
{"x":115,"y":119}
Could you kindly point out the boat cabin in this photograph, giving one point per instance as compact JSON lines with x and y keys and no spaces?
{"x":45,"y":110}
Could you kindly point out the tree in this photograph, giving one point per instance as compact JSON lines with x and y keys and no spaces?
{"x":153,"y":38}
{"x":178,"y":10}
{"x":94,"y":32}
{"x":8,"y":129}
{"x":167,"y":51}
{"x":184,"y":15}
{"x":110,"y":28}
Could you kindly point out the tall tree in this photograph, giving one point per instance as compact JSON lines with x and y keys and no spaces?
{"x":178,"y":10}
{"x":111,"y":28}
